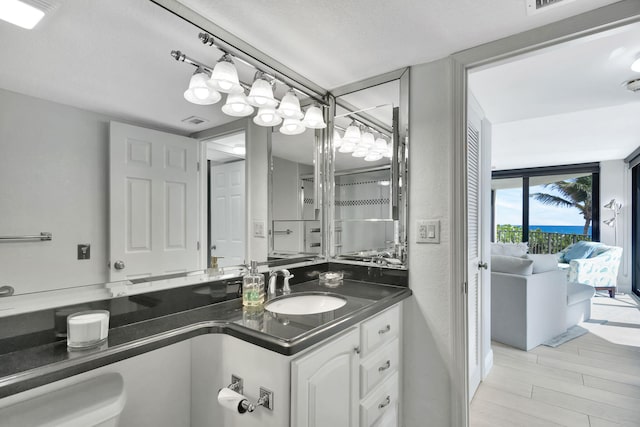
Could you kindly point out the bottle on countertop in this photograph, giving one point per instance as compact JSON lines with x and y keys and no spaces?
{"x":253,"y":287}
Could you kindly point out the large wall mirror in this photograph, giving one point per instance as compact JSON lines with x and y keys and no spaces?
{"x":92,"y":72}
{"x":370,"y":179}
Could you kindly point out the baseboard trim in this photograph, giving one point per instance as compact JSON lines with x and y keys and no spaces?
{"x":488,"y":364}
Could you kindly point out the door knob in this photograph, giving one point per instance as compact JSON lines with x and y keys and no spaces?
{"x":483,"y":265}
{"x":118,"y":265}
{"x":214,"y":247}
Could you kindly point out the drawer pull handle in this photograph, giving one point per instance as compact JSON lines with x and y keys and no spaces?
{"x":385,"y":366}
{"x":385,"y":330}
{"x":386,"y":402}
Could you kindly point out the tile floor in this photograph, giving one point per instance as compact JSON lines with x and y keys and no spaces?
{"x":593,"y":380}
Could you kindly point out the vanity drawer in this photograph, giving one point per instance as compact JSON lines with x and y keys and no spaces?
{"x":381,"y":407}
{"x":379,"y":330}
{"x":378,"y":366}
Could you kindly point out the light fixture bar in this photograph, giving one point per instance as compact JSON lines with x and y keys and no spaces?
{"x":181,"y":57}
{"x":255,"y":63}
{"x":363,"y":110}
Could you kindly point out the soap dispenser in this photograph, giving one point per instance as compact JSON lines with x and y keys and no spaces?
{"x":253,"y":287}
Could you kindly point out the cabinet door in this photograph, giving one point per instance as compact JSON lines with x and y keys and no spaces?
{"x":324,"y":385}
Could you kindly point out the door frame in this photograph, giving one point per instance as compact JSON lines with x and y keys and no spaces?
{"x":605,"y":18}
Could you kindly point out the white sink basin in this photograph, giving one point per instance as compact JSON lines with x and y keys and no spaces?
{"x":305,"y":304}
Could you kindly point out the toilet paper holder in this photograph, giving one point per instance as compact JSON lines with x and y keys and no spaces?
{"x":265,"y":400}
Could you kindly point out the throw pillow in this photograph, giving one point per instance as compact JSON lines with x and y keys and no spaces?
{"x":543,"y":262}
{"x":581,"y":250}
{"x":510,"y":249}
{"x":511,"y":265}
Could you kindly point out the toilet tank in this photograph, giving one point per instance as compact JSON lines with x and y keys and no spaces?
{"x":91,"y":403}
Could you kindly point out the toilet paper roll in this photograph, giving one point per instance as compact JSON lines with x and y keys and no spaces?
{"x":235,"y":401}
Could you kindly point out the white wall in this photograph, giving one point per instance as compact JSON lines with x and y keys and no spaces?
{"x":427,"y":345}
{"x":54,"y":175}
{"x":615,"y":183}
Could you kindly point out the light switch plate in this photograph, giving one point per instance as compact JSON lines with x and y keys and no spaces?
{"x":428,"y":231}
{"x":259,"y":228}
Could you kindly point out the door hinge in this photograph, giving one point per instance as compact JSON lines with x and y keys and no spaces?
{"x":198,"y":166}
{"x":198,"y":245}
{"x":465,"y":288}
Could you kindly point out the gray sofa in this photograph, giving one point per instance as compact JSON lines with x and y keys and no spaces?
{"x":530,"y":306}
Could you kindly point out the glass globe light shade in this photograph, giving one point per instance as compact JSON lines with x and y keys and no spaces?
{"x":224,"y":77}
{"x":292,"y":127}
{"x":237,"y":106}
{"x":346,"y":147}
{"x":372,"y":156}
{"x":267,"y":117}
{"x":366,"y":140}
{"x":379,"y":145}
{"x":199,"y":93}
{"x":389,"y":152}
{"x":313,"y":118}
{"x":359,"y":152}
{"x":261,"y":94}
{"x":337,"y":140}
{"x":352,"y":134}
{"x":290,"y":107}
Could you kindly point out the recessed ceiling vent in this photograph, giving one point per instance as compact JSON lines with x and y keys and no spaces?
{"x":633,"y":85}
{"x":195,"y":120}
{"x":536,"y":6}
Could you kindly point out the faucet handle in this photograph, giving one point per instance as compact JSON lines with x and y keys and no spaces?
{"x":286,"y":289}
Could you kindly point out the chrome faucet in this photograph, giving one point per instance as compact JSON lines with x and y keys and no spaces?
{"x":286,"y":290}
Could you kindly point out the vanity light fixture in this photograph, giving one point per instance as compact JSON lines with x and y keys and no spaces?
{"x":261,"y":93}
{"x":198,"y":92}
{"x":337,"y":139}
{"x":313,"y":118}
{"x":237,"y":105}
{"x":389,"y":152}
{"x":360,"y":152}
{"x":267,"y":117}
{"x":292,"y":127}
{"x":373,"y":156}
{"x":366,"y":140}
{"x":224,"y":77}
{"x":20,"y":13}
{"x":346,"y":147}
{"x":352,"y":134}
{"x":380,"y":145}
{"x":290,"y":106}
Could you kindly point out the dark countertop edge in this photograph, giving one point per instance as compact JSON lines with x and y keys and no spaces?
{"x":94,"y":359}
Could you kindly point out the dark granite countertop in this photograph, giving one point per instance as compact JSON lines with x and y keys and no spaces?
{"x":27,"y":366}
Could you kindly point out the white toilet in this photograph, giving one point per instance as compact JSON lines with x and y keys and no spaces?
{"x":96,"y":402}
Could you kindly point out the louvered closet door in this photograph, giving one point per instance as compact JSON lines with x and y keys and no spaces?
{"x":473,"y":234}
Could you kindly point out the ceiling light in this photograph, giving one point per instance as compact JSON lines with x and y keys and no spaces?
{"x":352,"y":134}
{"x":198,"y":92}
{"x":346,"y":147}
{"x":237,"y":105}
{"x":337,"y":140}
{"x":224,"y":77}
{"x":360,"y":152}
{"x":290,"y":106}
{"x":366,"y":140}
{"x":261,"y":94}
{"x":239,"y":149}
{"x":20,"y":14}
{"x":313,"y":118}
{"x":373,"y":156}
{"x":380,"y":145}
{"x":267,"y":117}
{"x":292,"y":127}
{"x":636,"y":65}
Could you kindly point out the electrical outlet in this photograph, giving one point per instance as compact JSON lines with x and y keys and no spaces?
{"x":428,"y":231}
{"x":84,"y":251}
{"x":259,"y":228}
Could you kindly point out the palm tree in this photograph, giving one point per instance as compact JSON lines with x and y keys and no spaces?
{"x":573,"y":193}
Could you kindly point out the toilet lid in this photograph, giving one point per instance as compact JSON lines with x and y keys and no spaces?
{"x":87,"y":403}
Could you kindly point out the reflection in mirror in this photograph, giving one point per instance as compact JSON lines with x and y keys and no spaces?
{"x":368,"y":185}
{"x":295,"y":226}
{"x":59,"y":95}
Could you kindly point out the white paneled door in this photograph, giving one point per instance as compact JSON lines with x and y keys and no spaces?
{"x":228,"y":213}
{"x":153,"y":202}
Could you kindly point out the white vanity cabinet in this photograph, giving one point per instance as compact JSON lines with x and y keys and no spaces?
{"x":351,"y":380}
{"x":324,"y":384}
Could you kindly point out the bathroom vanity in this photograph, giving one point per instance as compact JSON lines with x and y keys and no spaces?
{"x":339,"y":367}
